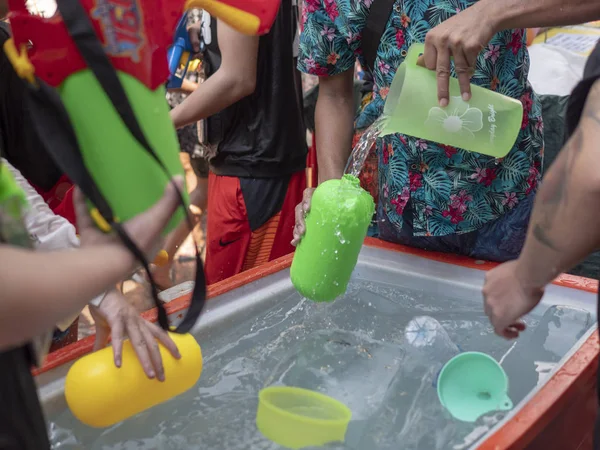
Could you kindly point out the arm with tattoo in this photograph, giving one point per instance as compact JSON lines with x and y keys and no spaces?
{"x":565,"y":224}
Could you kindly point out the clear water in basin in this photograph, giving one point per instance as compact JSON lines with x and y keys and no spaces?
{"x":355,"y":350}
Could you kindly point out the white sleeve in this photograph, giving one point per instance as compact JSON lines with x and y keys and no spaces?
{"x":48,"y":230}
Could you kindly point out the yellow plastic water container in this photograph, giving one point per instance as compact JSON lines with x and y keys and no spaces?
{"x":297,"y":418}
{"x":100,"y":395}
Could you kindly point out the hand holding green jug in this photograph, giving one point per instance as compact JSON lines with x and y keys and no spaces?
{"x":488,"y":124}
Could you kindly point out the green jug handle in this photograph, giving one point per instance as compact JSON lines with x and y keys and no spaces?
{"x":414,"y":52}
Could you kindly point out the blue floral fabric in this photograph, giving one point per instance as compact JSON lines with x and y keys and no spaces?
{"x":451,"y":191}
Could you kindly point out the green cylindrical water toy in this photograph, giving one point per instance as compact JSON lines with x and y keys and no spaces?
{"x":336,"y":227}
{"x":132,"y":181}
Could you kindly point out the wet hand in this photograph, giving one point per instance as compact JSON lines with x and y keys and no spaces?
{"x":301,"y":212}
{"x":144,"y":229}
{"x":117,"y":318}
{"x":461,"y":37}
{"x":507,"y":298}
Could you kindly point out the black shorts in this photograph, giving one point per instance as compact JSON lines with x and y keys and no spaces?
{"x":22,"y":423}
{"x":188,"y":143}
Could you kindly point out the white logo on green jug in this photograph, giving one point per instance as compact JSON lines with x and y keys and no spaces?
{"x":457,"y":118}
{"x":492,"y":121}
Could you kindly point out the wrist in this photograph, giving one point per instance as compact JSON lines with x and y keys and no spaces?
{"x":532,"y":275}
{"x":119,"y":258}
{"x":494,"y":15}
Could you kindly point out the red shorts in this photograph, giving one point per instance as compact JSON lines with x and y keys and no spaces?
{"x":227,"y":223}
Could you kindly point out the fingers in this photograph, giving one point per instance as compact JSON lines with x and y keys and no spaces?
{"x":300,"y":212}
{"x":513,"y":331}
{"x":118,"y":335}
{"x":442,"y":70}
{"x":164,"y":338}
{"x":153,"y":350}
{"x":102,"y":336}
{"x":140,"y":347}
{"x":463,"y":72}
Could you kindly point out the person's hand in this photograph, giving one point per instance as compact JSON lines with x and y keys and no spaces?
{"x":117,"y":318}
{"x":194,"y":34}
{"x":301,"y":211}
{"x":144,"y":229}
{"x":507,"y":298}
{"x":461,"y":37}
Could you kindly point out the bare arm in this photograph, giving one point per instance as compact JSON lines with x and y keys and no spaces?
{"x":334,"y":119}
{"x":466,"y":34}
{"x":511,"y":14}
{"x":63,"y":283}
{"x":234,"y":80}
{"x":565,"y":224}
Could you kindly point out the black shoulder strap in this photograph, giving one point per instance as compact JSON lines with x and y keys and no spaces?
{"x":52,"y":121}
{"x":379,"y":16}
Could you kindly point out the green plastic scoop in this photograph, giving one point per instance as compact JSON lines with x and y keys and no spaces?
{"x":488,"y":124}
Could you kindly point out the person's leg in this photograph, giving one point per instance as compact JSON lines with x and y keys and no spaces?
{"x":285,"y":231}
{"x":198,"y":182}
{"x":273,"y":239}
{"x":228,"y":229}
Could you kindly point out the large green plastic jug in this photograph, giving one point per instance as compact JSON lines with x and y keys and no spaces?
{"x":488,"y":124}
{"x":336,"y":227}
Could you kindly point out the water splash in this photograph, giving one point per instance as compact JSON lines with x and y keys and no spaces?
{"x":363,"y":146}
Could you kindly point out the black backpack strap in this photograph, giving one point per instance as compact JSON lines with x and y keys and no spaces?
{"x":379,"y":15}
{"x":53,"y":122}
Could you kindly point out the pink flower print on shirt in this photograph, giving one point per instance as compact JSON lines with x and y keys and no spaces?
{"x":484,"y":176}
{"x":455,"y":215}
{"x":310,"y":63}
{"x":527,"y":102}
{"x":329,"y":33}
{"x":449,"y":151}
{"x":493,"y":52}
{"x":459,"y":201}
{"x":421,"y":144}
{"x":510,"y":199}
{"x":310,"y":6}
{"x":416,"y":181}
{"x":401,"y":201}
{"x":400,"y":40}
{"x":332,"y":9}
{"x":516,"y":42}
{"x":383,"y":67}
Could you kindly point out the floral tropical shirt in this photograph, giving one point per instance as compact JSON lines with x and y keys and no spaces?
{"x":452,"y":191}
